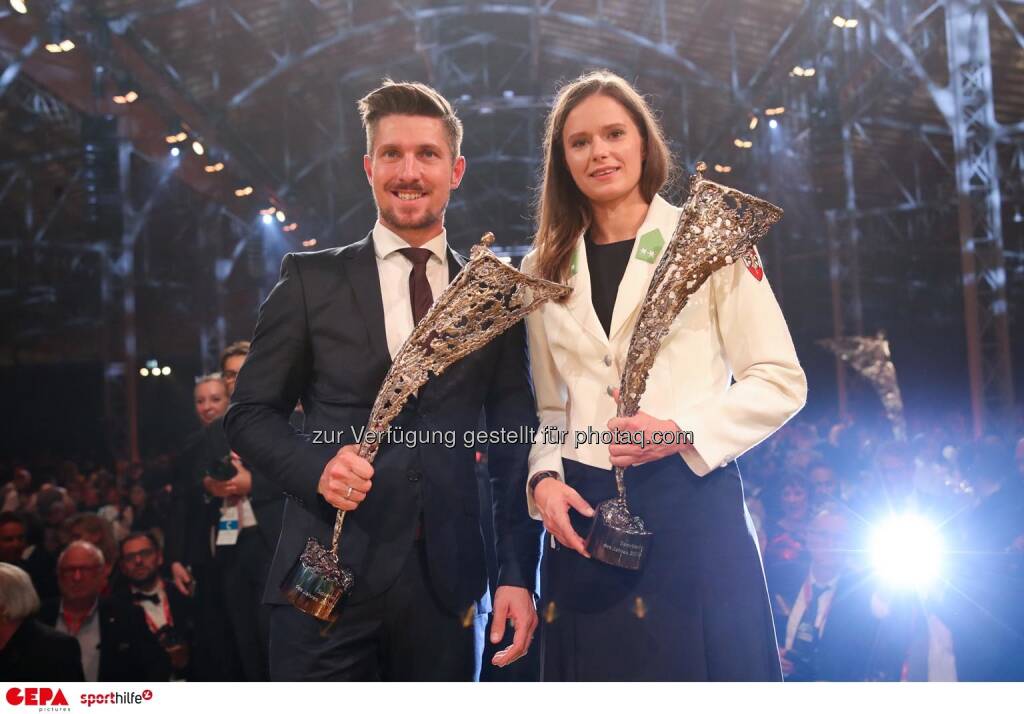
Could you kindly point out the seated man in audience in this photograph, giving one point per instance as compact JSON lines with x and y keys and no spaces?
{"x":29,"y":650}
{"x":835,"y":627}
{"x":148,"y":623}
{"x":81,"y":577}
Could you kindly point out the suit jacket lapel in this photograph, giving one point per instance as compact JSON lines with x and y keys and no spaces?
{"x":364,"y":278}
{"x":661,"y":217}
{"x":580,"y":302}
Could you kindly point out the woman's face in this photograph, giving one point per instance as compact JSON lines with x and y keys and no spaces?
{"x":794,"y":501}
{"x":604,"y":150}
{"x":211,"y":400}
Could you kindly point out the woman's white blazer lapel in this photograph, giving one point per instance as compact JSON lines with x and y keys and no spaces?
{"x":651,"y":239}
{"x":580,"y":303}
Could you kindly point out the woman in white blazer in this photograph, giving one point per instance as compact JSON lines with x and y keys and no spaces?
{"x":698,"y":609}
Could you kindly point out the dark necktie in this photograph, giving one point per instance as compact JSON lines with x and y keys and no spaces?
{"x":139,"y":596}
{"x":811,"y":615}
{"x":419,"y":288}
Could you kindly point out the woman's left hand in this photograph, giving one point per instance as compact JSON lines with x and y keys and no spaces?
{"x":645,"y":440}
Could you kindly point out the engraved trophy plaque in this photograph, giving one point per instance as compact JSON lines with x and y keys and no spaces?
{"x":486,"y":298}
{"x":718,"y":226}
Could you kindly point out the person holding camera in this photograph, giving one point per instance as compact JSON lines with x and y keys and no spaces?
{"x":243,"y":519}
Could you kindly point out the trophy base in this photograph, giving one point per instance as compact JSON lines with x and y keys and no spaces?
{"x":617,"y":537}
{"x":317,"y":582}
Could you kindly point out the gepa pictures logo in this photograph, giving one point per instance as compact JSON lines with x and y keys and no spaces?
{"x":36,"y":697}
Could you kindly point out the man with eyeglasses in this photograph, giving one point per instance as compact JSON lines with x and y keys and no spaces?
{"x":148,"y":623}
{"x":81,"y":577}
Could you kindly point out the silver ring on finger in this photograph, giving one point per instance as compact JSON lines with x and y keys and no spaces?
{"x":349,"y":492}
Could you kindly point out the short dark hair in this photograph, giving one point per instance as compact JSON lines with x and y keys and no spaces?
{"x":409,"y":99}
{"x":135,"y":535}
{"x":235,"y":349}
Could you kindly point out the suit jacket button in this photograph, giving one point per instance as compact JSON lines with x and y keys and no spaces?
{"x":610,"y":390}
{"x":413,"y":476}
{"x":607,"y":360}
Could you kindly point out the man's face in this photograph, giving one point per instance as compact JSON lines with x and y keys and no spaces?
{"x":823,"y":481}
{"x":412,"y":172}
{"x":230,"y":372}
{"x":80,"y":574}
{"x":12,"y":542}
{"x":140,"y":561}
{"x":826,"y":540}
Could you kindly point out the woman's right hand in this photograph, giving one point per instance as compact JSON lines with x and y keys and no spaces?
{"x":553,"y":499}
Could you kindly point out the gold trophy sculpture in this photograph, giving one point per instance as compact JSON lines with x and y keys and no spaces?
{"x":718,"y":226}
{"x":870,"y":357}
{"x":486,"y":298}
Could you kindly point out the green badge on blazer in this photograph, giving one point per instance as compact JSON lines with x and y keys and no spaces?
{"x":648,"y":248}
{"x":573,"y":267}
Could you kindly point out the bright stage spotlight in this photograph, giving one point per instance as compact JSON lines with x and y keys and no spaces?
{"x":19,"y":6}
{"x":906,"y":551}
{"x":267,"y":219}
{"x":773,"y":124}
{"x":175,"y":151}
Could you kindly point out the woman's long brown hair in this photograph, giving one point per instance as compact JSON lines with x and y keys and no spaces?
{"x":562,"y":211}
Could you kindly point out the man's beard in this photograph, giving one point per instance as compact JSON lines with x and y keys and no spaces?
{"x":146,"y":583}
{"x":428,"y":219}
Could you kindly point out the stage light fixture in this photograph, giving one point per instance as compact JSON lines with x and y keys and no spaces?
{"x":197,"y":147}
{"x":772,"y":124}
{"x":243,"y":192}
{"x":742,"y":144}
{"x":143,"y":372}
{"x":175,"y":151}
{"x":753,"y":123}
{"x":267,"y":220}
{"x":802,"y":71}
{"x":839,"y":21}
{"x":214,"y":168}
{"x":906,"y":551}
{"x":53,"y":48}
{"x":67,"y":46}
{"x":723,"y":168}
{"x":309,"y":243}
{"x":290,"y":227}
{"x":19,"y":7}
{"x":774,"y":111}
{"x":280,"y":216}
{"x":268,"y":211}
{"x":166,"y":371}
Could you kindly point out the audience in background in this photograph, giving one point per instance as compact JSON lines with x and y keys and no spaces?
{"x":814,"y":492}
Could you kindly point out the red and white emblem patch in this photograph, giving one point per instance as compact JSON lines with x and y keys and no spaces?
{"x":753,"y":263}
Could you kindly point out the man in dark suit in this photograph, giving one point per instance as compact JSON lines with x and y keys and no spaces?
{"x":147,"y":623}
{"x":838,"y":624}
{"x":82,"y":573}
{"x":326,"y":335}
{"x":29,"y":650}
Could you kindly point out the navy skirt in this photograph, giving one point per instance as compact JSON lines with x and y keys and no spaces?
{"x":697,"y":611}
